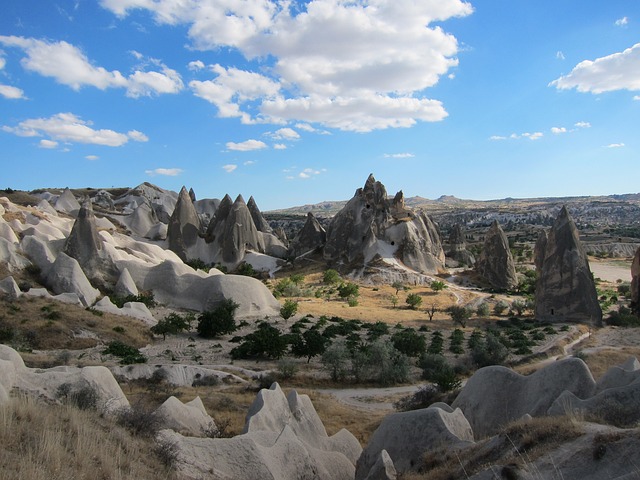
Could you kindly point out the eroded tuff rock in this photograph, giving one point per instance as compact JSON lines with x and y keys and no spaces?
{"x":565,"y":291}
{"x":496,"y":265}
{"x":406,"y":436}
{"x":458,"y":247}
{"x":495,"y":396}
{"x":372,"y":226}
{"x":284,"y":439}
{"x":67,"y":203}
{"x":311,"y":237}
{"x":635,"y":282}
{"x":184,"y":225}
{"x":258,"y":219}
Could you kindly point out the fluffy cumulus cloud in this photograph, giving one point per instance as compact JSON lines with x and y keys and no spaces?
{"x":355,"y":66}
{"x":12,"y":93}
{"x":246,"y":146}
{"x":69,"y":128}
{"x":621,"y":22}
{"x":619,"y":71}
{"x":44,"y":143}
{"x":168,"y":172}
{"x":229,"y":167}
{"x":68,"y":65}
{"x":582,"y":125}
{"x":558,"y":130}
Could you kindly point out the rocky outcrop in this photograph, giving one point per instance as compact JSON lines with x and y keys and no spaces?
{"x":635,"y":282}
{"x":67,"y":203}
{"x":103,"y":199}
{"x":370,"y":226}
{"x":284,"y":439}
{"x":458,"y":247}
{"x":66,"y":276}
{"x":495,"y":396}
{"x":565,"y":291}
{"x":83,"y":243}
{"x":189,"y":419}
{"x":495,"y":266}
{"x":540,"y":249}
{"x":406,"y":436}
{"x":258,"y":219}
{"x":312,"y":236}
{"x":184,"y":225}
{"x":9,"y":288}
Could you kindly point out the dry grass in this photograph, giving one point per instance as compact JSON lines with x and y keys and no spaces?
{"x":520,"y":443}
{"x":602,"y":360}
{"x":38,"y":323}
{"x":47,"y":442}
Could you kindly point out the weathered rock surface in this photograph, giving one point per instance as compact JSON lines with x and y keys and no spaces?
{"x":406,"y":436}
{"x":312,"y":236}
{"x":565,"y":291}
{"x":635,"y":282}
{"x":125,"y":285}
{"x":495,"y":264}
{"x":66,"y":276}
{"x":371,"y":226}
{"x":9,"y":288}
{"x":258,"y":219}
{"x":184,"y":225}
{"x":495,"y":396}
{"x":383,"y":469}
{"x":103,"y":199}
{"x":59,"y":382}
{"x":189,"y":419}
{"x":283,"y":440}
{"x":620,"y":376}
{"x":67,"y":203}
{"x":179,"y":375}
{"x":458,"y":247}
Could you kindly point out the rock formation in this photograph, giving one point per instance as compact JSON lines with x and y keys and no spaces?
{"x":184,"y":226}
{"x":189,"y":419}
{"x":370,"y":226}
{"x":66,"y":276}
{"x":258,"y":219}
{"x":635,"y":282}
{"x":565,"y":291}
{"x":495,"y":265}
{"x":83,"y":243}
{"x":67,"y":203}
{"x":458,"y":247}
{"x":284,"y":439}
{"x":312,"y":236}
{"x":495,"y":396}
{"x":103,"y":199}
{"x":406,"y":436}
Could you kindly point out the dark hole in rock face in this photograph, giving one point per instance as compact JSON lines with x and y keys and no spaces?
{"x":552,"y":311}
{"x":393,"y":243}
{"x":368,"y":206}
{"x":364,"y":238}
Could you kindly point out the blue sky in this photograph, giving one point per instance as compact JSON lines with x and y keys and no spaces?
{"x":297,"y":102}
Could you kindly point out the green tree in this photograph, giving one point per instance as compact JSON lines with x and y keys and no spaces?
{"x":438,"y":286}
{"x":519,"y":307}
{"x":289,"y":309}
{"x":172,"y":324}
{"x":489,"y":351}
{"x":398,"y":285}
{"x":266,"y":341}
{"x":394,"y":300}
{"x":330,"y":277}
{"x":500,"y":307}
{"x":219,"y":321}
{"x":310,"y":344}
{"x":414,"y":300}
{"x":297,"y":278}
{"x":482,"y":310}
{"x":335,"y":360}
{"x":348,"y":290}
{"x":409,"y":342}
{"x":459,"y":314}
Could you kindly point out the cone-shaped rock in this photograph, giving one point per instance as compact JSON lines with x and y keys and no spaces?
{"x":495,"y":264}
{"x":539,"y":250}
{"x":184,"y":225}
{"x":458,"y":247}
{"x":216,"y":225}
{"x":565,"y":291}
{"x":258,"y":219}
{"x":310,"y":237}
{"x":192,"y":195}
{"x":635,"y":282}
{"x":371,"y":226}
{"x":83,"y":242}
{"x":67,"y":203}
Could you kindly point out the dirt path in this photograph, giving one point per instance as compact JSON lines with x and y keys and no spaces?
{"x":370,"y":398}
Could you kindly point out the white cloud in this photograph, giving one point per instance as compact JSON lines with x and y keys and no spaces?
{"x":636,"y":97}
{"x":558,"y":130}
{"x":195,"y":65}
{"x":44,"y":143}
{"x":619,"y":71}
{"x":280,"y":146}
{"x":68,"y":65}
{"x":92,"y":157}
{"x":3,"y":62}
{"x":137,"y":136}
{"x":247,"y":145}
{"x":356,"y":66}
{"x":249,"y":162}
{"x":285,"y":134}
{"x":308,"y":173}
{"x":399,"y":155}
{"x":12,"y":93}
{"x":559,"y":55}
{"x":67,"y":127}
{"x":582,"y":125}
{"x":621,"y":22}
{"x":516,"y":136}
{"x":533,"y":136}
{"x":497,"y":137}
{"x":169,"y":172}
{"x":615,"y":145}
{"x":229,"y":168}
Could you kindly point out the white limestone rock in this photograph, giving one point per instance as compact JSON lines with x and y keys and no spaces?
{"x":189,"y":419}
{"x":66,"y":276}
{"x":9,"y":288}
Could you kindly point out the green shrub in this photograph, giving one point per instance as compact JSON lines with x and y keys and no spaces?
{"x":330,"y":277}
{"x":265,"y":342}
{"x":289,"y":309}
{"x":414,"y":300}
{"x":409,"y":342}
{"x":219,"y":321}
{"x":128,"y":354}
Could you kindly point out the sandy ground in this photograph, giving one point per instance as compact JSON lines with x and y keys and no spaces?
{"x":611,"y":272}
